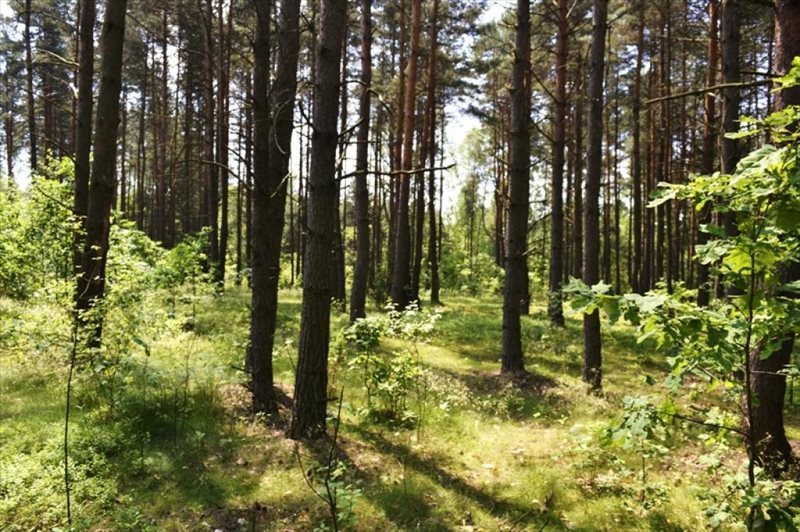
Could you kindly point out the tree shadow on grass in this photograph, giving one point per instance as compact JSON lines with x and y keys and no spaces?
{"x":511,"y":511}
{"x":523,"y":396}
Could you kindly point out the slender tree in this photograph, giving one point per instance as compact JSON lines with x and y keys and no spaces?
{"x":592,"y":372}
{"x":554,"y":308}
{"x":358,"y":296}
{"x":92,"y":281}
{"x":311,"y":381}
{"x":709,"y":144}
{"x":259,"y":355}
{"x":519,"y":192}
{"x":731,"y":73}
{"x":32,"y":135}
{"x":772,"y":449}
{"x":83,"y":137}
{"x":402,"y":255}
{"x":433,"y":261}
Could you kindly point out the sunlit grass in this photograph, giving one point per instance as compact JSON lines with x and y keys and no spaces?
{"x":180,"y":449}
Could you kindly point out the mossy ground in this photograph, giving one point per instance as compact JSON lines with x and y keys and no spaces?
{"x":176,"y":447}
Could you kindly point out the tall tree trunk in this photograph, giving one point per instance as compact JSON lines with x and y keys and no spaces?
{"x":91,"y":284}
{"x":731,"y":73}
{"x":577,"y":215}
{"x":160,"y":123}
{"x":83,"y":137}
{"x":402,"y":256}
{"x":259,"y":354}
{"x":8,"y":126}
{"x":123,"y":159}
{"x":433,"y":261}
{"x":223,"y":131}
{"x":211,"y":170}
{"x":426,"y":142}
{"x":769,"y":384}
{"x":592,"y":372}
{"x":240,"y":203}
{"x":554,"y":307}
{"x":519,"y":192}
{"x":396,"y":128}
{"x":709,"y":145}
{"x":32,"y":135}
{"x":338,"y":288}
{"x":248,"y":163}
{"x":358,"y":297}
{"x":141,"y":152}
{"x":270,"y":197}
{"x":311,"y":382}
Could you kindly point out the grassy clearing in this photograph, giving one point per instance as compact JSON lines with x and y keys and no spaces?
{"x":175,"y":447}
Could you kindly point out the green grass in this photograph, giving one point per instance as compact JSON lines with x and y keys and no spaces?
{"x":176,"y":448}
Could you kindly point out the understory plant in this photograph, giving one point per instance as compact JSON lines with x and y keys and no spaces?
{"x":396,"y":383}
{"x":723,"y":345}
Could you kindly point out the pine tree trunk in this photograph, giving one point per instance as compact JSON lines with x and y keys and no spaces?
{"x":358,"y":297}
{"x":211,"y":170}
{"x":577,"y":214}
{"x":514,"y":289}
{"x":768,"y":384}
{"x":91,"y":284}
{"x":248,"y":164}
{"x":259,"y":353}
{"x":709,"y":146}
{"x":83,"y":137}
{"x":271,"y":192}
{"x":554,"y":307}
{"x":592,"y":372}
{"x":32,"y":135}
{"x":401,"y":275}
{"x":636,"y":159}
{"x":731,"y":40}
{"x":433,"y":261}
{"x":223,"y":131}
{"x":311,"y":383}
{"x":339,"y":290}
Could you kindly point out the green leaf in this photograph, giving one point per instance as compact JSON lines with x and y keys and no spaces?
{"x":611,"y":308}
{"x":663,"y":194}
{"x":651,"y":302}
{"x":143,"y":344}
{"x":712,"y":229}
{"x":601,"y":288}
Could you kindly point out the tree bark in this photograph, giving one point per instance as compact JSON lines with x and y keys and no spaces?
{"x":731,"y":73}
{"x":271,"y":192}
{"x":554,"y":306}
{"x":768,"y":385}
{"x":91,"y":284}
{"x":358,"y":297}
{"x":338,"y":286}
{"x":401,"y":281}
{"x":433,"y":261}
{"x":577,"y":213}
{"x":709,"y":145}
{"x":223,"y":135}
{"x":83,"y":136}
{"x":259,"y":354}
{"x":32,"y":135}
{"x":592,"y":372}
{"x":519,"y":192}
{"x":211,"y":170}
{"x":311,"y":382}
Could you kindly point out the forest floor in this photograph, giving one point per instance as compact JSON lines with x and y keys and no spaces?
{"x":162,"y":438}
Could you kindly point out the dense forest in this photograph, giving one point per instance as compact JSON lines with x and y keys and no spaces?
{"x":417,"y":265}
